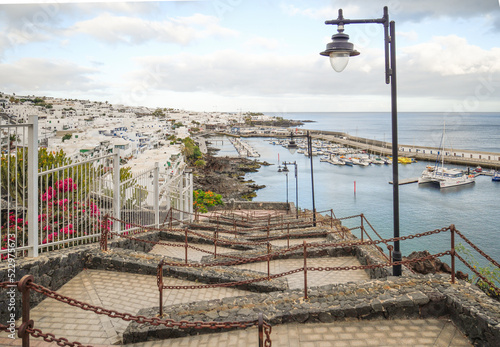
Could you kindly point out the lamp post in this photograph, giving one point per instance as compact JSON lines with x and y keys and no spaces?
{"x":285,"y":169}
{"x":292,"y":147}
{"x":339,"y":51}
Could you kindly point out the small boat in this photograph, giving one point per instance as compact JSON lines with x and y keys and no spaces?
{"x":479,"y":169}
{"x":496,"y":176}
{"x":404,"y":160}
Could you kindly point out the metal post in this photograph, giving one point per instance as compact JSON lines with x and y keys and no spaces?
{"x":160,"y":285}
{"x":309,"y":149}
{"x":362,"y":227}
{"x":305,"y":270}
{"x":396,"y":270}
{"x":156,"y":193}
{"x":215,"y":244}
{"x":33,"y":187}
{"x":296,"y":191}
{"x":288,"y":235}
{"x":116,"y":190}
{"x":171,"y":218}
{"x":261,"y":330}
{"x":268,"y":259}
{"x":186,"y":245}
{"x":104,"y":234}
{"x":452,"y":230}
{"x":23,"y":287}
{"x":287,"y":206}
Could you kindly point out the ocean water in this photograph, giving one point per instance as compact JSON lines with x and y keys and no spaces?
{"x":473,"y":208}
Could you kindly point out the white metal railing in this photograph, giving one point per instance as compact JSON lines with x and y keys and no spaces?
{"x":63,"y":204}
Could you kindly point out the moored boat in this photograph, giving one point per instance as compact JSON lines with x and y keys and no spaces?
{"x":496,"y":176}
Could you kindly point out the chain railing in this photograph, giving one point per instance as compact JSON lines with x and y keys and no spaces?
{"x":26,"y":329}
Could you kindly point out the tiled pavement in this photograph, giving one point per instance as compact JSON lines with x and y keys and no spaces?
{"x":127,"y":292}
{"x":314,"y":278}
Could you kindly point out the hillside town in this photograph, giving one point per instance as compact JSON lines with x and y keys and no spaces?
{"x":84,"y":128}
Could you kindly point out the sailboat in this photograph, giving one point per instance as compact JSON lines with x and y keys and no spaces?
{"x":442,"y":176}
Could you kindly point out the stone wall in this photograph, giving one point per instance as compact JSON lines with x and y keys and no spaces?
{"x":412,"y":297}
{"x":257,"y":205}
{"x":53,"y":269}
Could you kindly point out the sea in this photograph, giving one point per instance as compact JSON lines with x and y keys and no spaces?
{"x":352,"y":190}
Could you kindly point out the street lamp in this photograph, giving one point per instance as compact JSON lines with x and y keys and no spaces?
{"x":292,"y":147}
{"x":285,"y":169}
{"x":339,"y":51}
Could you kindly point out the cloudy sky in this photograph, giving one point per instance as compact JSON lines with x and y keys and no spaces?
{"x":252,"y":55}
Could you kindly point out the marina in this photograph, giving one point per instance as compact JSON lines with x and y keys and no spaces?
{"x":357,"y":189}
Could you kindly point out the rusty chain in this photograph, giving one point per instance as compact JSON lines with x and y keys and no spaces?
{"x":291,"y":249}
{"x":490,"y":259}
{"x":36,"y":333}
{"x":493,"y":286}
{"x":334,"y":268}
{"x":183,"y":324}
{"x":267,"y":332}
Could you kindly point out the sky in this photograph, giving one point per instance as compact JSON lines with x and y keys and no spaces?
{"x":252,"y":55}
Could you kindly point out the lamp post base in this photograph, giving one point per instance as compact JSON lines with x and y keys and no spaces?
{"x":396,"y":269}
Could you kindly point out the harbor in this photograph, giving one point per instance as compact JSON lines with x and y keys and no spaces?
{"x":463,"y":157}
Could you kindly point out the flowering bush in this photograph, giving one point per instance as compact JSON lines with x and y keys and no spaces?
{"x":61,"y":218}
{"x":202,"y":200}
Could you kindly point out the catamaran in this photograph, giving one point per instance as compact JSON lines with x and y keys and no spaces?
{"x":442,"y":176}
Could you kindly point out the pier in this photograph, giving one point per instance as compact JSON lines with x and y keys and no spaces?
{"x":406,"y":181}
{"x":243,"y":148}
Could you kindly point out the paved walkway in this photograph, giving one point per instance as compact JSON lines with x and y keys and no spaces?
{"x":125,"y":292}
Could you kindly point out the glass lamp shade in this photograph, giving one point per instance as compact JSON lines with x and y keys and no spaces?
{"x":339,"y":60}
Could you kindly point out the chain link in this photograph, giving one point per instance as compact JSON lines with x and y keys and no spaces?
{"x":490,"y":259}
{"x":139,"y":319}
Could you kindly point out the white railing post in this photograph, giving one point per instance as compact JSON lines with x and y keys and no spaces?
{"x":33,"y":186}
{"x":190,"y":195}
{"x":156,"y":193}
{"x":181,"y":196}
{"x":116,"y":190}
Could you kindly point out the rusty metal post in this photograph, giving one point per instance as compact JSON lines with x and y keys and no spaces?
{"x":452,"y":230}
{"x":362,"y":227}
{"x":104,"y":234}
{"x":268,"y":231}
{"x":331,"y":218}
{"x":186,"y":245}
{"x":160,"y":285}
{"x":288,"y":236}
{"x":268,"y":259}
{"x":171,"y":217}
{"x":23,"y":287}
{"x":215,"y":244}
{"x":305,"y":270}
{"x":261,"y":330}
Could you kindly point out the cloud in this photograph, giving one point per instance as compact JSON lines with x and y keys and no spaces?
{"x":404,"y":10}
{"x":132,"y":30}
{"x":31,"y":74}
{"x":452,"y":55}
{"x":263,"y":42}
{"x":443,"y":68}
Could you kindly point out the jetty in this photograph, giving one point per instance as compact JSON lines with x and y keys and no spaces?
{"x":243,"y":148}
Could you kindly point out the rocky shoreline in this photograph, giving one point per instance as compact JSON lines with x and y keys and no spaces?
{"x":226,"y":176}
